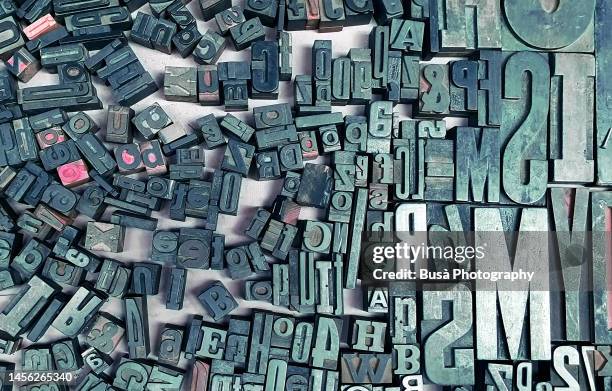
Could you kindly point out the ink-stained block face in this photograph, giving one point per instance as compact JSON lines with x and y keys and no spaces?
{"x":41,"y":26}
{"x":73,"y":174}
{"x":23,"y":65}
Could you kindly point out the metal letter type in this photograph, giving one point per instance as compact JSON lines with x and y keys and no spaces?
{"x":145,"y":279}
{"x":229,"y":18}
{"x":104,"y":237}
{"x":76,"y":314}
{"x":572,"y":90}
{"x":326,"y":348}
{"x":105,"y":333}
{"x":490,"y":88}
{"x":536,"y":26}
{"x":131,"y":374}
{"x":212,"y":7}
{"x":113,"y":278}
{"x":238,"y":157}
{"x":30,"y":259}
{"x":380,"y":127}
{"x":358,"y":12}
{"x":137,"y":326}
{"x":23,"y":65}
{"x":362,"y":368}
{"x":464,"y":87}
{"x":332,"y":15}
{"x":341,"y":80}
{"x":26,"y":306}
{"x":246,"y":33}
{"x":151,"y":120}
{"x":434,"y":95}
{"x":386,"y":10}
{"x":570,"y":211}
{"x":266,"y":10}
{"x":465,"y":26}
{"x":322,"y":72}
{"x":217,"y":301}
{"x":171,"y":339}
{"x":285,"y":55}
{"x":379,"y":45}
{"x":211,"y":343}
{"x":600,"y":210}
{"x":41,"y":26}
{"x":11,"y":39}
{"x":210,"y":48}
{"x":315,"y":186}
{"x":265,"y":70}
{"x":358,"y":219}
{"x":477,"y":164}
{"x":119,"y":124}
{"x":208,"y":86}
{"x":180,"y":84}
{"x":603,"y":115}
{"x":176,"y":289}
{"x":187,"y":39}
{"x":437,"y":350}
{"x":523,"y":338}
{"x":407,"y":35}
{"x":523,"y":127}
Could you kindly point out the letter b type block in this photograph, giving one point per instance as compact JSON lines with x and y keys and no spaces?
{"x":217,"y":301}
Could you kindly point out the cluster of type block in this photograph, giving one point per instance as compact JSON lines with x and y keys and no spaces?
{"x":481,"y":251}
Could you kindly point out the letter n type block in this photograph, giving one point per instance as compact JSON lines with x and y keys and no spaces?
{"x":171,"y":340}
